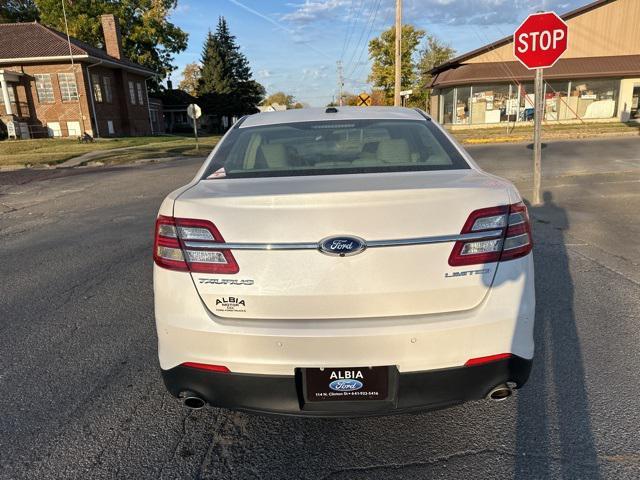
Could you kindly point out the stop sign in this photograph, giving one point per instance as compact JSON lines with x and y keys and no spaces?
{"x":540,"y":40}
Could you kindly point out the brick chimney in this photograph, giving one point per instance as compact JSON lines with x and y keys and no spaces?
{"x":112,"y":37}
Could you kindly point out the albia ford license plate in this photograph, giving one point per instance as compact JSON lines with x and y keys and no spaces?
{"x":346,"y":384}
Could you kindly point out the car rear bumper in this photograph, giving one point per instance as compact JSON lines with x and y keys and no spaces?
{"x":282,"y":394}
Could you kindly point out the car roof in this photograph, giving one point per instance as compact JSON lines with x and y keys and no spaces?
{"x":321,"y":114}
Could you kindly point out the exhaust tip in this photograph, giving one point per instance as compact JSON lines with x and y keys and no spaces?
{"x":192,"y":400}
{"x":500,"y":392}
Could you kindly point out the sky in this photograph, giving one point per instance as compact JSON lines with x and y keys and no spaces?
{"x":293,"y":45}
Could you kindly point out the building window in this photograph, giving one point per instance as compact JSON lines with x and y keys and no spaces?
{"x":53,"y":129}
{"x":447,"y":105}
{"x":110,"y":128}
{"x":594,"y":98}
{"x":73,"y":129}
{"x":68,"y":87}
{"x":132,"y":93}
{"x":97,"y":88}
{"x":489,"y":103}
{"x":463,"y":100}
{"x":140,"y":97}
{"x":44,"y":88}
{"x":556,"y":106}
{"x":12,"y":95}
{"x":108,"y":95}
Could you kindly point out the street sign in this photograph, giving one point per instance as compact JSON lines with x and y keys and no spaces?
{"x":538,"y":43}
{"x":364,"y":100}
{"x":540,"y":40}
{"x":194,"y":111}
{"x":406,"y":93}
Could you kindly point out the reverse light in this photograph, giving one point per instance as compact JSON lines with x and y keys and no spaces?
{"x":201,"y":256}
{"x":515,"y":241}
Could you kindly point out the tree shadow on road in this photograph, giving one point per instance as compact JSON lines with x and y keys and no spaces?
{"x":554,"y":436}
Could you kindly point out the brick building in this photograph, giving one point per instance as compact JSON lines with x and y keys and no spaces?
{"x":43,"y":94}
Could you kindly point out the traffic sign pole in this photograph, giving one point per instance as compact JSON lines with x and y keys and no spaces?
{"x":538,"y":43}
{"x":537,"y":136}
{"x":195,"y":132}
{"x":194,"y":113}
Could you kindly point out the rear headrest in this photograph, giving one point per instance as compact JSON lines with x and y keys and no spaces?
{"x":394,"y":151}
{"x":275,"y":155}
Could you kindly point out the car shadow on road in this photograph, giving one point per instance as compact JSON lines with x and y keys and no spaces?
{"x":554,"y":437}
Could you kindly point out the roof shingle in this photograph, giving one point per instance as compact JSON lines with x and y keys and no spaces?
{"x":565,"y":68}
{"x":34,"y":40}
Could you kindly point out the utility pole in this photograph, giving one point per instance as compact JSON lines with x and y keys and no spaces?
{"x":537,"y":136}
{"x":398,"y":59}
{"x":340,"y":82}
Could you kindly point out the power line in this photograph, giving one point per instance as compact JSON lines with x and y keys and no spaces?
{"x":350,"y":27}
{"x":364,"y":29}
{"x":358,"y":65}
{"x":366,"y":43}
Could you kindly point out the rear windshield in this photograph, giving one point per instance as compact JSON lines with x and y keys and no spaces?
{"x":330,"y":148}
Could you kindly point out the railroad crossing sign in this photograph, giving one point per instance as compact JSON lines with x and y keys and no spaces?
{"x":194,"y":111}
{"x":540,"y":40}
{"x":364,"y":100}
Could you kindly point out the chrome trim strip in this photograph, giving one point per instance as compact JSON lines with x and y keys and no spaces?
{"x":370,"y":244}
{"x":439,"y":239}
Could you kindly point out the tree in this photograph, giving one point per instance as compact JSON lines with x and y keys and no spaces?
{"x":226,"y":81}
{"x":280,"y":98}
{"x":149,"y":39}
{"x":190,"y":78}
{"x":382,"y":52}
{"x":434,"y":53}
{"x":18,"y":11}
{"x":349,"y":99}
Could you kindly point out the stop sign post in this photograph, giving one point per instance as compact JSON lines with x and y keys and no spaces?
{"x":538,"y":43}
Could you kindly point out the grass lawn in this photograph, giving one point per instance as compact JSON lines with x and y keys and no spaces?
{"x":52,"y":151}
{"x":524,"y":133}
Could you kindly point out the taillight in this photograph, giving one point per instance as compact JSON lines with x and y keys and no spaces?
{"x":518,"y":241}
{"x":514,"y":241}
{"x":189,"y":245}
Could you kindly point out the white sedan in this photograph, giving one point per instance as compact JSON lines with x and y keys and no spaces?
{"x":342,"y":261}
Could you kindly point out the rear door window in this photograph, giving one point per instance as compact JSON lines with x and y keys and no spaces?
{"x":330,"y":148}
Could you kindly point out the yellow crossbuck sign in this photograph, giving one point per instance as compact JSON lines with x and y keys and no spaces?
{"x":364,"y":100}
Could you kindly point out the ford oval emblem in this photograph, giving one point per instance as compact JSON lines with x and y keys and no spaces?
{"x":347,"y":385}
{"x":342,"y":246}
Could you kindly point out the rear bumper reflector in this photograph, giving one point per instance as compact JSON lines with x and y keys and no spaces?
{"x":489,"y":359}
{"x":206,"y":367}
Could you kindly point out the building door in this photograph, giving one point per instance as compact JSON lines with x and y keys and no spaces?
{"x":635,"y":102}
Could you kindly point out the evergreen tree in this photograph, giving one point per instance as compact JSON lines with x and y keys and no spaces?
{"x":226,"y":85}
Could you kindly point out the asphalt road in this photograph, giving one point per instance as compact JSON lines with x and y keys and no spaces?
{"x":81,"y":396}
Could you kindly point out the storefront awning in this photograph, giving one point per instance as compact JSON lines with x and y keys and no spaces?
{"x":497,"y":72}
